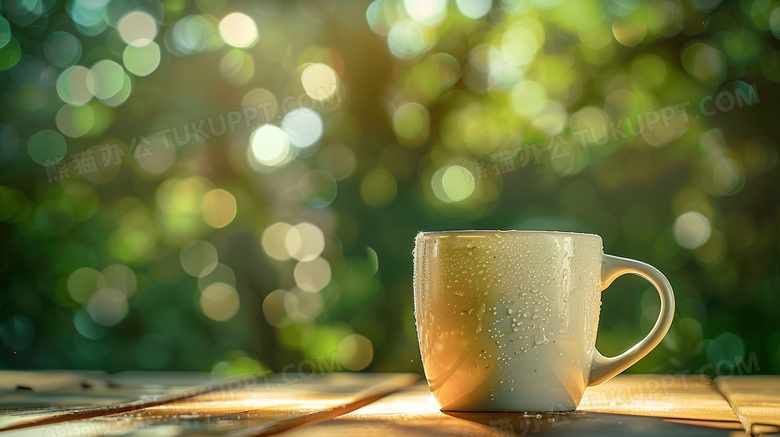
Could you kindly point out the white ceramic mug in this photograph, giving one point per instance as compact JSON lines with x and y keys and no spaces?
{"x":507,"y":320}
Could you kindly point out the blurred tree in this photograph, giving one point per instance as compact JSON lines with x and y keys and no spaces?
{"x":236,"y":185}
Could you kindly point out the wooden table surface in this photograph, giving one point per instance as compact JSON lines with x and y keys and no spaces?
{"x":346,"y":404}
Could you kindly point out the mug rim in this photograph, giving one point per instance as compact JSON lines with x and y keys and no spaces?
{"x":507,"y":231}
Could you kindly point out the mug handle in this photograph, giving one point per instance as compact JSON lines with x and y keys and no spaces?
{"x":603,"y":368}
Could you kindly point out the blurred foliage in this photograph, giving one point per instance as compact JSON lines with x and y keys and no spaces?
{"x":236,"y":186}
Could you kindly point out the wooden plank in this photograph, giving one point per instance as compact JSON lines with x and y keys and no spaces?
{"x":758,"y":430}
{"x":755,"y":400}
{"x":125,"y":391}
{"x":46,"y":381}
{"x":241,"y":408}
{"x":413,"y":412}
{"x":669,"y":396}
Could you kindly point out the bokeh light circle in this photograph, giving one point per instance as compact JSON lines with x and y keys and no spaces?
{"x":122,"y":95}
{"x":303,"y":126}
{"x":274,"y":309}
{"x":5,"y":32}
{"x":219,"y":208}
{"x":705,"y":63}
{"x":312,"y":276}
{"x":193,"y":34}
{"x":62,"y":49}
{"x":75,"y":121}
{"x":728,"y":177}
{"x":550,"y":117}
{"x":458,"y":183}
{"x":304,"y":241}
{"x":220,"y":301}
{"x":10,"y":54}
{"x":141,"y":60}
{"x":83,"y":283}
{"x":519,"y":45}
{"x":377,"y":19}
{"x":105,"y":79}
{"x":774,"y":22}
{"x":302,"y":305}
{"x":527,"y":97}
{"x":89,"y":16}
{"x":318,"y":188}
{"x":356,"y":352}
{"x":264,"y":100}
{"x":87,"y":327}
{"x":269,"y":145}
{"x":108,"y":306}
{"x":122,"y":278}
{"x":320,"y":82}
{"x":198,"y":258}
{"x":428,"y":12}
{"x":221,"y":273}
{"x":474,"y":9}
{"x":164,"y":156}
{"x":137,"y":28}
{"x":238,"y":30}
{"x":274,"y":239}
{"x":237,"y":67}
{"x":72,"y":86}
{"x":47,"y":147}
{"x":411,"y":123}
{"x":406,"y":39}
{"x":692,"y":229}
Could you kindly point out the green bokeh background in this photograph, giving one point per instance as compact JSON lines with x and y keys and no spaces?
{"x":423,"y":87}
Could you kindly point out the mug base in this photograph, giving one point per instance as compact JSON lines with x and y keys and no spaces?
{"x":512,"y":411}
{"x":511,"y":405}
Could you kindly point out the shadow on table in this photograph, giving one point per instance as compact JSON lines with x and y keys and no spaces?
{"x":588,"y":423}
